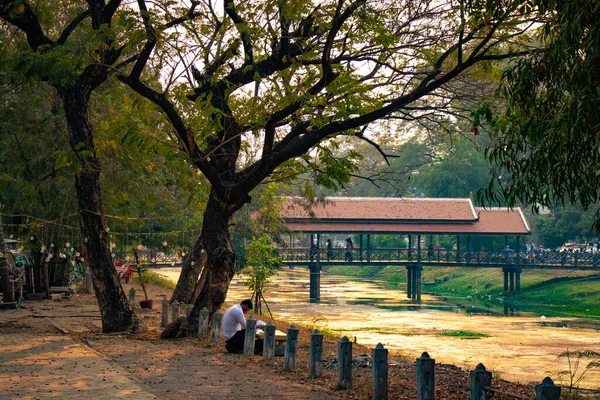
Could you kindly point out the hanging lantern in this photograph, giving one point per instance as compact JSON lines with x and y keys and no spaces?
{"x":165,"y":243}
{"x":113,"y":255}
{"x":77,"y":254}
{"x":202,"y":251}
{"x":113,"y":245}
{"x":126,"y":258}
{"x":139,"y":246}
{"x":183,"y":254}
{"x":71,"y":249}
{"x":85,"y":239}
{"x":68,"y":245}
{"x":47,"y":259}
{"x":51,"y":245}
{"x":11,"y":236}
{"x":192,"y":263}
{"x":49,"y":256}
{"x":31,"y":238}
{"x":107,"y":229}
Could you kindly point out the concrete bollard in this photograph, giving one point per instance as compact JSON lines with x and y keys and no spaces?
{"x":132,"y":298}
{"x":344,"y":363}
{"x":269,"y":342}
{"x":379,"y":358}
{"x":164,"y":321}
{"x":203,"y":323}
{"x":216,"y":327}
{"x":315,"y":363}
{"x":291,"y":342}
{"x":425,"y":377}
{"x":480,"y":379}
{"x":547,"y":390}
{"x":174,"y":311}
{"x":250,"y":336}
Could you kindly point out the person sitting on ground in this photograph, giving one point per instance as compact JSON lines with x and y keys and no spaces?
{"x":234,"y":326}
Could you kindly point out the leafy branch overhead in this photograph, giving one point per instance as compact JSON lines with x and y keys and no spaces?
{"x":287,"y":76}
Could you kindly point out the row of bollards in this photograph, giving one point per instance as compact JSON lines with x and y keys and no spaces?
{"x":480,"y":378}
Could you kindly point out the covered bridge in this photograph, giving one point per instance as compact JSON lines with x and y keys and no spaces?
{"x":412,"y":218}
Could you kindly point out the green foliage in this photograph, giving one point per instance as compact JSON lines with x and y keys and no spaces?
{"x":546,"y":143}
{"x":566,"y":224}
{"x":262,"y":262}
{"x":464,"y":334}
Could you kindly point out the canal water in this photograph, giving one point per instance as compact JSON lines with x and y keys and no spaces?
{"x":520,"y":347}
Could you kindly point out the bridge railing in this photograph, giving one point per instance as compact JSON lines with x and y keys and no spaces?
{"x":307,"y":255}
{"x":149,"y":257}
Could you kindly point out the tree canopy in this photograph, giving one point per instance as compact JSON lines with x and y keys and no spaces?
{"x":256,"y":91}
{"x":547,"y":140}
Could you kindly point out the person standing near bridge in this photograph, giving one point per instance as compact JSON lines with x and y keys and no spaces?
{"x":349,"y":249}
{"x":329,"y":250}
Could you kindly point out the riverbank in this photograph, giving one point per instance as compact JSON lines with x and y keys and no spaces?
{"x":557,"y":293}
{"x":517,"y":348}
{"x":85,"y":363}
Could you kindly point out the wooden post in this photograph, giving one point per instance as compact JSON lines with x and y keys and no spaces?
{"x":480,"y":379}
{"x":132,"y":298}
{"x":315,"y":366}
{"x":203,"y":324}
{"x":344,"y":363}
{"x":174,"y":311}
{"x":425,"y":377}
{"x":250,"y":336}
{"x":368,"y":247}
{"x":379,"y":357}
{"x":547,"y":390}
{"x":164,"y":312}
{"x":269,"y":342}
{"x":216,"y":327}
{"x":289,"y":359}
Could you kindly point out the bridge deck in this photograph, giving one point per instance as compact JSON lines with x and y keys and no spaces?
{"x":472,"y":259}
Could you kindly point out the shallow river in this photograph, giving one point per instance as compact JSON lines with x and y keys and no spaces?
{"x":519,"y":348}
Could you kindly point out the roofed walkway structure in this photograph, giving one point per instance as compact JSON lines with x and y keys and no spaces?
{"x":411,"y":217}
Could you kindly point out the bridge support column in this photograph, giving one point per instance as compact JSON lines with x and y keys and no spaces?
{"x":413,"y":282}
{"x":518,"y":280}
{"x":505,"y":272}
{"x":418,"y":271}
{"x":409,"y":281}
{"x":512,"y":281}
{"x":315,"y":283}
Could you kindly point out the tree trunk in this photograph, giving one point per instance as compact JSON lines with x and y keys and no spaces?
{"x":116,"y":313}
{"x":190,"y":270}
{"x":220,"y":259}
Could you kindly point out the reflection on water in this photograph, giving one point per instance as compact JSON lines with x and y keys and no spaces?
{"x":520,"y":346}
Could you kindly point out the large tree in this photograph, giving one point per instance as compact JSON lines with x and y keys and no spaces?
{"x":73,"y":52}
{"x":272,"y":84}
{"x":546,"y":148}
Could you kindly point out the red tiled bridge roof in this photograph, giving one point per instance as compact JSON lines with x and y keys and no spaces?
{"x":401,"y":215}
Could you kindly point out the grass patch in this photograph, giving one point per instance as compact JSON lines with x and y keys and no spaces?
{"x":159,"y":280}
{"x":464,"y":334}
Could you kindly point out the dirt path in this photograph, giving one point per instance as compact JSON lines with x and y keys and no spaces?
{"x":55,"y":349}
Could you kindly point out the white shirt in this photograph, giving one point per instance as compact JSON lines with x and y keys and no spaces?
{"x":233,"y":321}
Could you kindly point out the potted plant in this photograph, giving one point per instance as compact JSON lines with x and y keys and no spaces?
{"x":143,"y":278}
